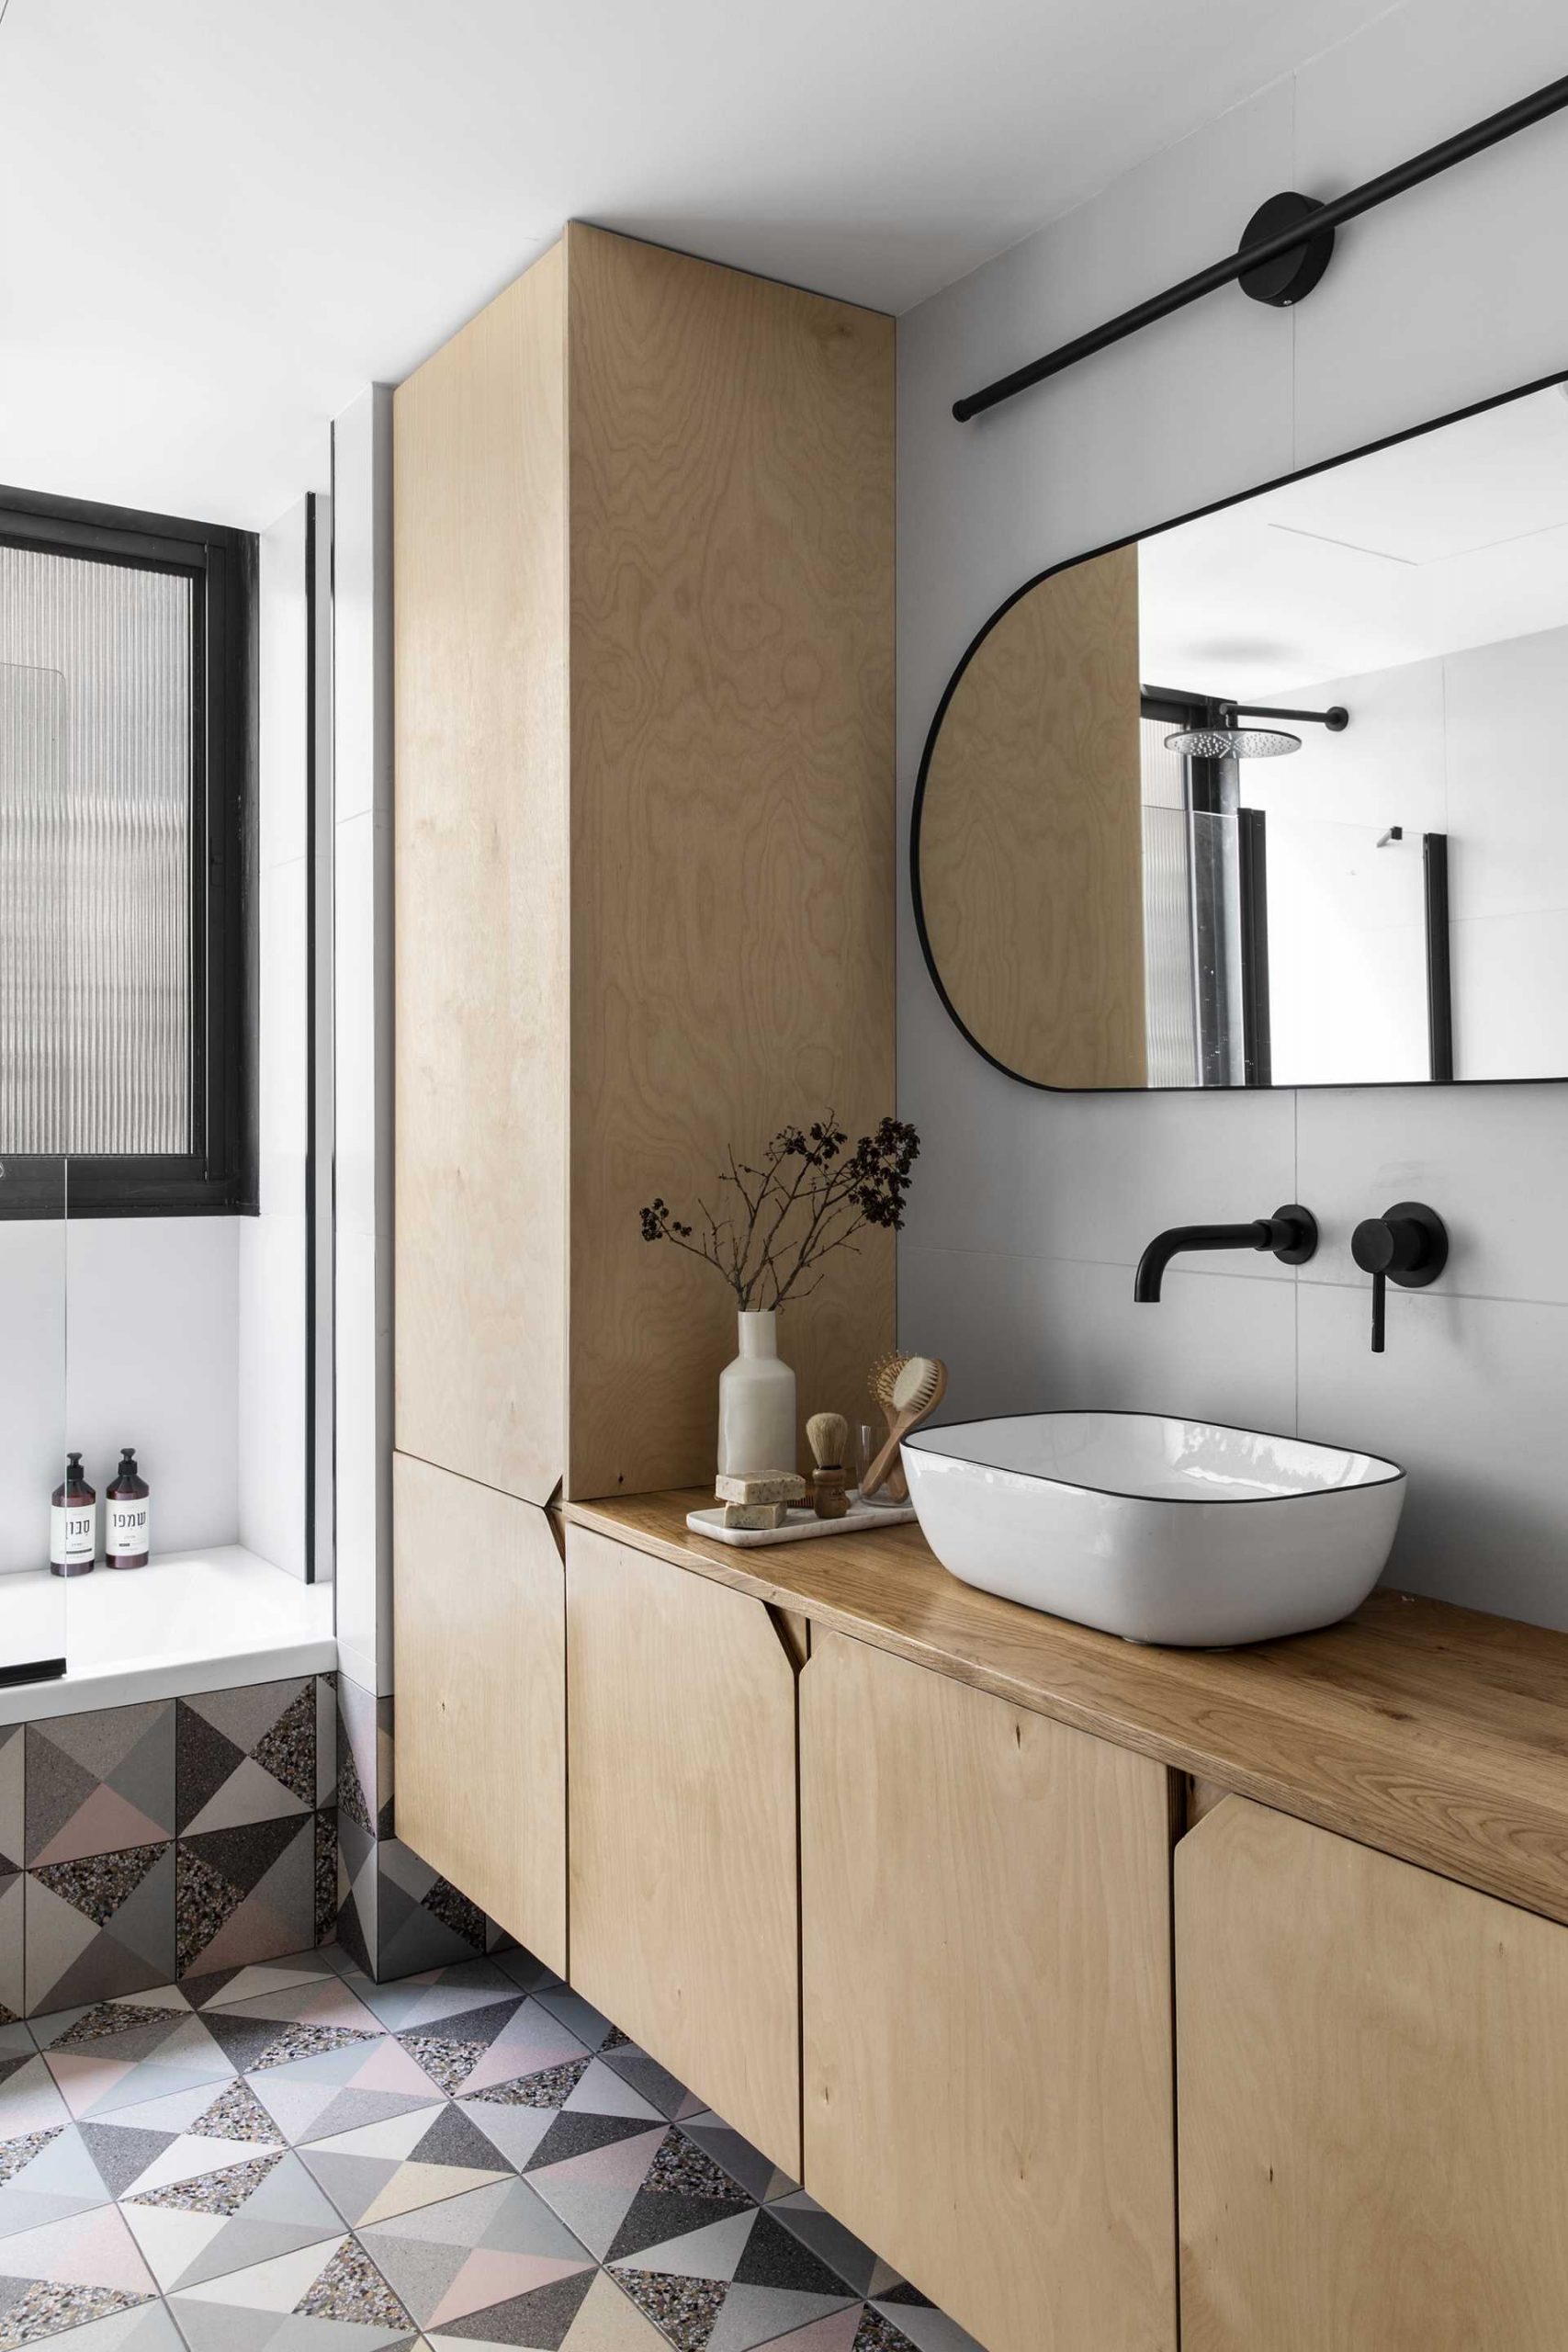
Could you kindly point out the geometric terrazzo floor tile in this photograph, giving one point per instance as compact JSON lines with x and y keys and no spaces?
{"x":413,"y":2001}
{"x":29,"y":2101}
{"x":654,"y":2082}
{"x":317,"y":2298}
{"x":46,"y":2177}
{"x":751,"y":2316}
{"x":138,"y":2024}
{"x":606,"y":2320}
{"x":580,"y":2019}
{"x":306,"y":2109}
{"x":912,"y":2321}
{"x":468,"y":2051}
{"x":323,"y":1999}
{"x":231,"y":2220}
{"x":757,"y":2174}
{"x":413,"y":2160}
{"x":852,"y":2262}
{"x":599,"y":2090}
{"x":685,"y":2310}
{"x":593,"y":2193}
{"x":225,"y":1987}
{"x":453,"y":2260}
{"x":69,"y":2272}
{"x":149,"y":2328}
{"x":98,"y":2075}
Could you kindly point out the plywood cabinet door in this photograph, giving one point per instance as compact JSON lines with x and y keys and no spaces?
{"x":1373,"y":2100}
{"x":680,"y":1699}
{"x":986,"y":1946}
{"x":480,"y":1669}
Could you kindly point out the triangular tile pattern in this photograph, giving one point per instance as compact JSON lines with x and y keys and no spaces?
{"x":245,"y":1755}
{"x":99,"y":1925}
{"x":273,"y":2147}
{"x":98,"y":1781}
{"x":124,"y":1858}
{"x":245,"y":1891}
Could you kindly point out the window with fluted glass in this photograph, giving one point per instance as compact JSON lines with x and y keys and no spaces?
{"x":123,"y":772}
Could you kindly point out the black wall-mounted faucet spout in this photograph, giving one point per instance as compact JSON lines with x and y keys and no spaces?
{"x":1290,"y":1233}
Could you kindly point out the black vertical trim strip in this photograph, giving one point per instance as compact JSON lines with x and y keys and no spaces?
{"x":1440,"y":973}
{"x":1252,"y":859}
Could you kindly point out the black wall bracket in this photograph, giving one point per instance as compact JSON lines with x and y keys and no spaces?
{"x":1284,"y":250}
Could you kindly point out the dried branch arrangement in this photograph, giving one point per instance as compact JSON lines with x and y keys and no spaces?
{"x":771,"y":1226}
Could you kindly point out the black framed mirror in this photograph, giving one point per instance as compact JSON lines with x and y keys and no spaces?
{"x":1276,"y":793}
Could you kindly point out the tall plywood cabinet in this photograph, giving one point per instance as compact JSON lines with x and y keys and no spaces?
{"x":643,"y":883}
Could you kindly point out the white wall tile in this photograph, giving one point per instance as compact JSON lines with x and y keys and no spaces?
{"x":152,"y":1361}
{"x":364,"y":1461}
{"x":1029,"y":1207}
{"x":272,"y":1389}
{"x":32,"y":1390}
{"x":283,"y":1047}
{"x":1036,"y":1334}
{"x":1492,"y":1163}
{"x":1451,"y":292}
{"x":282,"y":741}
{"x":362,"y":606}
{"x":1469,"y":1398}
{"x":362,"y":898}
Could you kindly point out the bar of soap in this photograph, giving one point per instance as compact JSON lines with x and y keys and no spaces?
{"x":754,"y":1517}
{"x":768,"y":1487}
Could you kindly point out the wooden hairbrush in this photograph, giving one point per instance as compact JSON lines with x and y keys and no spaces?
{"x":884,"y":1378}
{"x":918,"y":1390}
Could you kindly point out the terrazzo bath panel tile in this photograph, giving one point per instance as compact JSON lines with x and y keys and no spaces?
{"x":100,"y":1783}
{"x":245,"y":1755}
{"x":13,"y":1905}
{"x":245,"y":1893}
{"x":99,"y":1926}
{"x":13,"y":1813}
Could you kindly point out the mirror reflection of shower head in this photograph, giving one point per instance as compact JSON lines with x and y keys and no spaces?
{"x":1227,"y":741}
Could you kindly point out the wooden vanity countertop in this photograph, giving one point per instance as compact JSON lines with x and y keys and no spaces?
{"x":1435,"y":1733}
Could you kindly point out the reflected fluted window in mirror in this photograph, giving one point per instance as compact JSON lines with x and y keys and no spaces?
{"x":1277,"y":795}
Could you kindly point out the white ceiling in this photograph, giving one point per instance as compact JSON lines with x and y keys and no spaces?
{"x":1455,"y":538}
{"x":221,"y":219}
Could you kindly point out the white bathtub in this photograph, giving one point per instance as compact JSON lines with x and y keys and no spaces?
{"x":195,"y":1621}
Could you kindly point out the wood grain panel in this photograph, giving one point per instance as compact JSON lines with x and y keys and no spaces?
{"x":684,"y":1903}
{"x":985,"y":1908}
{"x":1373,"y":2101}
{"x":481,"y":894}
{"x":1032,"y":852}
{"x":732,"y":890}
{"x":479,"y":1660}
{"x":1434,"y":1733}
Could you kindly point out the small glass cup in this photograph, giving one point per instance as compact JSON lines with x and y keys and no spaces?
{"x":869,"y":1442}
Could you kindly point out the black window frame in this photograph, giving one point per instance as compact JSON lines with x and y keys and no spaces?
{"x":218,"y":1177}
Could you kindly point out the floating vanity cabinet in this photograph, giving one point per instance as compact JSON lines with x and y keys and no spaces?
{"x":1373,"y":2100}
{"x":681,"y":1704}
{"x":480,"y":1672}
{"x":644,"y":850}
{"x":985,"y":1900}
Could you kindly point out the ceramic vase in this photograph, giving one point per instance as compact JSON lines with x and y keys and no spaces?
{"x":756,"y":1403}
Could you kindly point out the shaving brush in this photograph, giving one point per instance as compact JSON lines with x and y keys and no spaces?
{"x":827,"y":1435}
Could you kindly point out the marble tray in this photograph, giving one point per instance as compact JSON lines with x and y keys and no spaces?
{"x":802,"y":1521}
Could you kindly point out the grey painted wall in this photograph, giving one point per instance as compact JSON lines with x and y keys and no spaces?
{"x":1031,"y":1209}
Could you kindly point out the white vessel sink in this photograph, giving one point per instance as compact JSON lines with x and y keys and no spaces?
{"x":1157,"y":1529}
